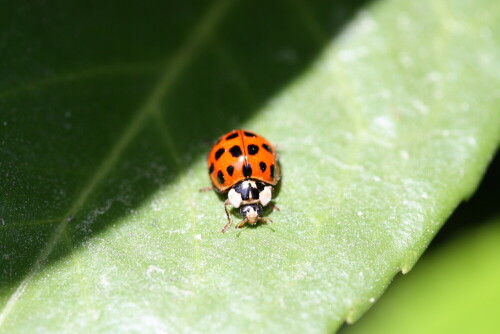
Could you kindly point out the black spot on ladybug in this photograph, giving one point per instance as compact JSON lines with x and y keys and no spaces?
{"x":230,"y":170}
{"x":249,"y":134}
{"x":247,"y":170}
{"x":219,"y":152}
{"x":232,"y":136}
{"x":220,"y":177}
{"x":235,"y":151}
{"x":260,"y":185}
{"x":272,"y":170}
{"x":253,"y":149}
{"x":267,"y":148}
{"x":262,"y":166}
{"x":211,"y":170}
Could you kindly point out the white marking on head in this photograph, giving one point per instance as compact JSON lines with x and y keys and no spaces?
{"x":234,"y":198}
{"x":265,"y":196}
{"x":244,"y":185}
{"x":251,"y":215}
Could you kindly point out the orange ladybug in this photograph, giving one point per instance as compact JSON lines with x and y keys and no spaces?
{"x":244,"y":165}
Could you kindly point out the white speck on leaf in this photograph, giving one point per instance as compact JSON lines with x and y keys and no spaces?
{"x":364,"y":24}
{"x":154,"y":269}
{"x":349,"y":55}
{"x":156,"y":204}
{"x":420,"y":106}
{"x":104,"y":281}
{"x":471,"y":141}
{"x":384,"y":125}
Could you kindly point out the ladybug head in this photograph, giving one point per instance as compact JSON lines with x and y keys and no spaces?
{"x":251,"y":213}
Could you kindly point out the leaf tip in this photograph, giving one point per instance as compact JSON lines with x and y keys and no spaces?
{"x":406,"y":267}
{"x":351,"y":317}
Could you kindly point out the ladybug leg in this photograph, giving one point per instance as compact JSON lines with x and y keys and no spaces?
{"x":205,"y":189}
{"x":242,"y":223}
{"x":274,"y":207}
{"x":228,"y":214}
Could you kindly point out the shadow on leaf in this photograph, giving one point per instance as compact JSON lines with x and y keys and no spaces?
{"x":101,"y":108}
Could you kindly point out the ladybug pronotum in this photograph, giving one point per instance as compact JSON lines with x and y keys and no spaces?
{"x":244,"y":165}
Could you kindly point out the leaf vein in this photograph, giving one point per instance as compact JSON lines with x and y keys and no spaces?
{"x":174,"y":68}
{"x":80,"y":75}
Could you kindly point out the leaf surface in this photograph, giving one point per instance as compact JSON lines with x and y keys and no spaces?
{"x":386,"y":116}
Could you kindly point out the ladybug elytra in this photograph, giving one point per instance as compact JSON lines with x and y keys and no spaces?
{"x":244,"y":165}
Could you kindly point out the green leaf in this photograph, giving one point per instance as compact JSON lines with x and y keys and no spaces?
{"x":452,"y":290}
{"x":386,"y":116}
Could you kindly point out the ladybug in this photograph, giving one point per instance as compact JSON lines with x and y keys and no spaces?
{"x":244,"y":165}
